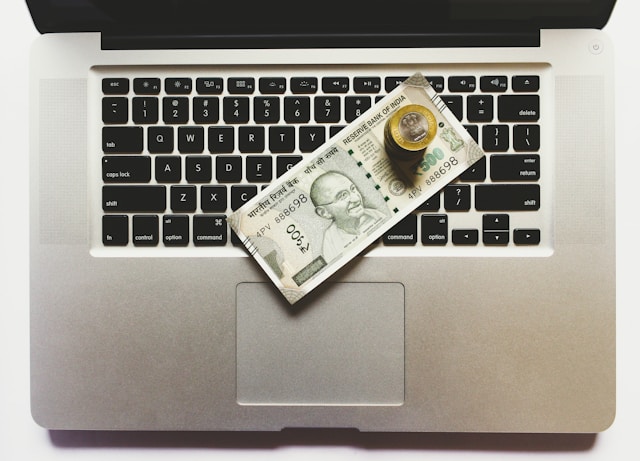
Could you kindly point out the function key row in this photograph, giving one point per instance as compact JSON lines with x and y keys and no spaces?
{"x":311,"y":85}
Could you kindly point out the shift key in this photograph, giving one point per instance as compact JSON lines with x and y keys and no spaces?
{"x":134,"y":199}
{"x":507,"y":197}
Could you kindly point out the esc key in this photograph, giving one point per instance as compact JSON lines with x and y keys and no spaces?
{"x":115,"y":85}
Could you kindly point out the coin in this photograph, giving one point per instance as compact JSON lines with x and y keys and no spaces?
{"x":409,"y":131}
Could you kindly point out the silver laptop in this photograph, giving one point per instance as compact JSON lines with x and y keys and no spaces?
{"x":490,"y":308}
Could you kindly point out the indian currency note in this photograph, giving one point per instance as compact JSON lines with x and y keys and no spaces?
{"x":342,"y":197}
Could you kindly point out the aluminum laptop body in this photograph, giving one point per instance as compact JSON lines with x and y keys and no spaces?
{"x":451,"y":338}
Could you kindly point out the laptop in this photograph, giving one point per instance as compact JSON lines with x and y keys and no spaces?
{"x":491,"y":308}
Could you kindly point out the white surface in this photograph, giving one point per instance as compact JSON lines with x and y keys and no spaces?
{"x":21,"y":438}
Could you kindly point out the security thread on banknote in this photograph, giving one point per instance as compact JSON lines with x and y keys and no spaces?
{"x":339,"y":199}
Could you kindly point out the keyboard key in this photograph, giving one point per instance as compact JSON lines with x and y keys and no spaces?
{"x":122,"y":140}
{"x":198,"y":169}
{"x":526,"y":138}
{"x":431,"y":204}
{"x":282,"y":139}
{"x":518,"y":108}
{"x":519,"y":167}
{"x":367,"y":84}
{"x":251,"y":139}
{"x":146,"y":85}
{"x":235,"y":109}
{"x":213,"y":198}
{"x":326,"y":109}
{"x":168,"y":169}
{"x":480,"y":108}
{"x":221,"y":140}
{"x":390,"y":83}
{"x":160,"y":140}
{"x":190,"y":139}
{"x":304,"y":85}
{"x":525,"y":83}
{"x":498,"y":83}
{"x":272,"y":85}
{"x":526,"y":236}
{"x":259,"y":168}
{"x":335,"y":84}
{"x":460,"y":84}
{"x":297,"y":109}
{"x":464,"y":236}
{"x":495,"y":237}
{"x":145,"y":110}
{"x":311,"y":137}
{"x":134,"y":199}
{"x":175,"y":110}
{"x":436,"y":82}
{"x":241,"y":85}
{"x":495,"y":138}
{"x":404,"y":232}
{"x":115,"y":230}
{"x":476,"y":172}
{"x":507,"y":197}
{"x":175,"y":230}
{"x":355,"y":106}
{"x":115,"y":85}
{"x":181,"y":85}
{"x":210,"y":85}
{"x":145,"y":230}
{"x":229,"y":168}
{"x":266,"y":110}
{"x":457,"y":197}
{"x":183,"y":199}
{"x":495,"y":222}
{"x":241,"y":195}
{"x":206,"y":110}
{"x":115,"y":110}
{"x":434,"y":229}
{"x":285,"y":162}
{"x":124,"y":169}
{"x":209,"y":230}
{"x":454,"y":103}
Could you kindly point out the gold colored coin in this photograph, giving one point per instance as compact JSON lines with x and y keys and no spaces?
{"x":412,"y":127}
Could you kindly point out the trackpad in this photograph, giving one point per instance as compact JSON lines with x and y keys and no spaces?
{"x":345,"y":347}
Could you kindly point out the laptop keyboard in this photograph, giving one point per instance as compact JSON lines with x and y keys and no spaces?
{"x":180,"y":149}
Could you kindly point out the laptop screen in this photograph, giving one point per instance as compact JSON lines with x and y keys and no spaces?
{"x":379,"y":17}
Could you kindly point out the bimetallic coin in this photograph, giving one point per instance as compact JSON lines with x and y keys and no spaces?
{"x":409,"y":131}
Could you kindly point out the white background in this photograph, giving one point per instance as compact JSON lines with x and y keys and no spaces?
{"x":21,"y":438}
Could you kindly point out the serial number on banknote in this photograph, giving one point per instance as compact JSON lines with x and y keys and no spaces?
{"x":291,"y":208}
{"x":431,"y":160}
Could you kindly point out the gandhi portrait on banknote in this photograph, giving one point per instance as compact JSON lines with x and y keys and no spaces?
{"x":338,"y":199}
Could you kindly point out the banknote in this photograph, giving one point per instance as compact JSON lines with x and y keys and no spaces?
{"x":340,"y":198}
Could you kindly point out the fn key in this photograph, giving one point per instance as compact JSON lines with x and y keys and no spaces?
{"x":115,"y":230}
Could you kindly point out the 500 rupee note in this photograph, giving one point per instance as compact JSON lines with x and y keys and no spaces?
{"x":338,"y":200}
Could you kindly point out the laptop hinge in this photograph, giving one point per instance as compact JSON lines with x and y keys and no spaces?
{"x":263,"y":41}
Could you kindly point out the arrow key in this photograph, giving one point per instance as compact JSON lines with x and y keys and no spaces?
{"x":464,"y":236}
{"x":526,"y":236}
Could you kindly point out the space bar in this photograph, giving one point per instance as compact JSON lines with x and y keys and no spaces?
{"x":134,"y":199}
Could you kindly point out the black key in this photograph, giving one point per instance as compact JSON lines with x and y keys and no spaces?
{"x":495,"y":222}
{"x":311,"y":137}
{"x":235,"y":109}
{"x":476,"y":172}
{"x":497,"y":83}
{"x":251,"y":139}
{"x":190,"y":139}
{"x":526,"y":138}
{"x":518,"y":167}
{"x":213,"y":198}
{"x":206,"y":110}
{"x":367,"y":84}
{"x":525,"y":83}
{"x":526,"y":236}
{"x":175,"y":110}
{"x":431,"y":204}
{"x":518,"y":108}
{"x":168,"y":169}
{"x":198,"y":168}
{"x":229,"y":168}
{"x":495,"y":138}
{"x":134,"y":199}
{"x":241,"y":85}
{"x":272,"y":85}
{"x":390,"y":83}
{"x":145,"y":230}
{"x":297,"y":109}
{"x":454,"y":103}
{"x":146,"y":85}
{"x":123,"y":169}
{"x":404,"y":232}
{"x":210,"y":85}
{"x":122,"y":139}
{"x":145,"y":110}
{"x":326,"y":109}
{"x":115,"y":110}
{"x":285,"y":162}
{"x":304,"y":85}
{"x":335,"y":84}
{"x":115,"y":230}
{"x":355,"y":106}
{"x":462,"y":83}
{"x":221,"y":140}
{"x":115,"y":85}
{"x":457,"y":197}
{"x":334,"y":130}
{"x":259,"y":168}
{"x":175,"y":230}
{"x":182,"y":85}
{"x":282,"y":139}
{"x":507,"y":197}
{"x":241,"y":195}
{"x":473,"y":131}
{"x":464,"y":236}
{"x":436,"y":82}
{"x":209,"y":230}
{"x":495,"y":237}
{"x":434,"y":229}
{"x":266,"y":110}
{"x":183,"y":198}
{"x":160,"y":139}
{"x":480,"y":108}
